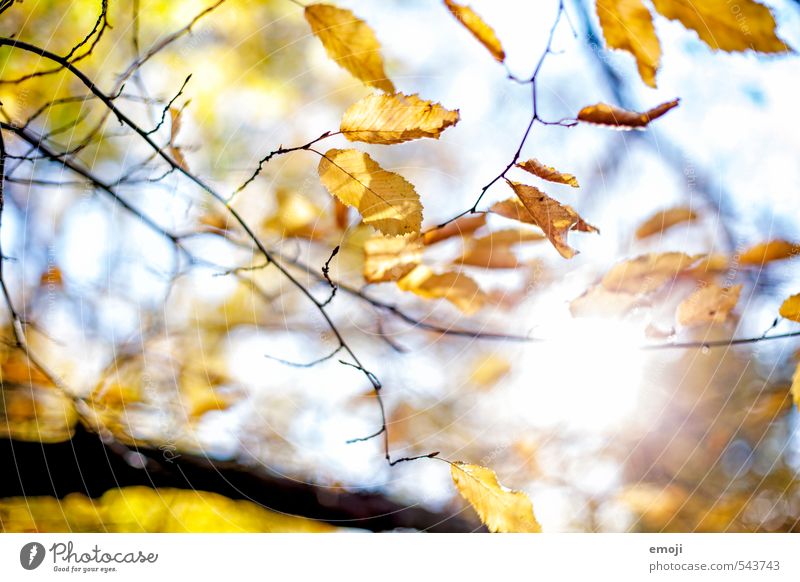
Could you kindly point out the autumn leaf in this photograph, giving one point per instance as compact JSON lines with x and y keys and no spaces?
{"x":628,"y":25}
{"x":647,"y":273}
{"x":350,"y":42}
{"x":710,"y":304}
{"x":457,"y":288}
{"x":597,"y":301}
{"x":479,"y":29}
{"x":796,"y":387}
{"x":385,"y":200}
{"x":554,"y":218}
{"x":175,"y":128}
{"x":604,"y":114}
{"x":390,"y":258}
{"x":341,"y":214}
{"x":501,"y":509}
{"x":548,"y":173}
{"x":494,"y":250}
{"x":389,"y":119}
{"x":664,"y":220}
{"x":766,"y":252}
{"x":726,"y":26}
{"x":488,"y":370}
{"x":790,"y":309}
{"x":297,"y":217}
{"x":460,"y":227}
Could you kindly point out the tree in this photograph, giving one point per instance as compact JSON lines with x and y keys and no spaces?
{"x":181,"y":286}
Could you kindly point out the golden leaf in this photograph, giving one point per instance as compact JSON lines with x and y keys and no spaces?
{"x":790,"y":309}
{"x":554,"y":218}
{"x":457,"y":288}
{"x":297,"y":217}
{"x":489,"y":370}
{"x":647,"y":273}
{"x":142,"y":509}
{"x":385,"y":200}
{"x":664,"y":220}
{"x":727,"y":26}
{"x":597,"y":301}
{"x":390,"y":258}
{"x":628,"y":25}
{"x":548,"y":173}
{"x":479,"y":29}
{"x":796,"y":387}
{"x":389,"y":119}
{"x":175,"y":128}
{"x":494,"y":251}
{"x":766,"y":252}
{"x":501,"y":509}
{"x":341,"y":214}
{"x":460,"y":227}
{"x":604,"y":114}
{"x":36,"y":414}
{"x":350,"y":42}
{"x":710,"y":304}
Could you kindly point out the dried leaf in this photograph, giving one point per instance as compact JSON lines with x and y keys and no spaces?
{"x":628,"y":25}
{"x":501,"y":509}
{"x":389,"y":119}
{"x":664,"y":220}
{"x":554,"y":218}
{"x":647,"y":273}
{"x":597,"y":301}
{"x":548,"y":173}
{"x":175,"y":128}
{"x":460,"y":227}
{"x":790,"y":309}
{"x":479,"y":29}
{"x":727,"y":26}
{"x":710,"y":304}
{"x":350,"y":42}
{"x":385,"y":200}
{"x":390,"y":258}
{"x":457,"y":288}
{"x":604,"y":114}
{"x":494,"y":251}
{"x":766,"y":252}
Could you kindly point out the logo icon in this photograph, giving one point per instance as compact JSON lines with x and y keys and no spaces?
{"x":31,"y":555}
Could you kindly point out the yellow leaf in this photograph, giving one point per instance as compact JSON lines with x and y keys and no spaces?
{"x":791,"y":308}
{"x":494,"y":251}
{"x":796,"y":387}
{"x":385,"y":200}
{"x":457,"y":288}
{"x":725,"y":25}
{"x":664,"y":220}
{"x":390,"y":258}
{"x":548,"y":173}
{"x":389,"y":119}
{"x":350,"y":42}
{"x":489,"y":370}
{"x":460,"y":227}
{"x":297,"y":217}
{"x":604,"y":114}
{"x":647,"y":273}
{"x":710,"y":304}
{"x":31,"y":413}
{"x":142,"y":509}
{"x":766,"y":252}
{"x":501,"y":509}
{"x":598,"y":301}
{"x":479,"y":29}
{"x":175,"y":128}
{"x":628,"y":25}
{"x":554,"y":218}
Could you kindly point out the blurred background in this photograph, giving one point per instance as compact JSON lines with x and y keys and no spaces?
{"x":170,"y":355}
